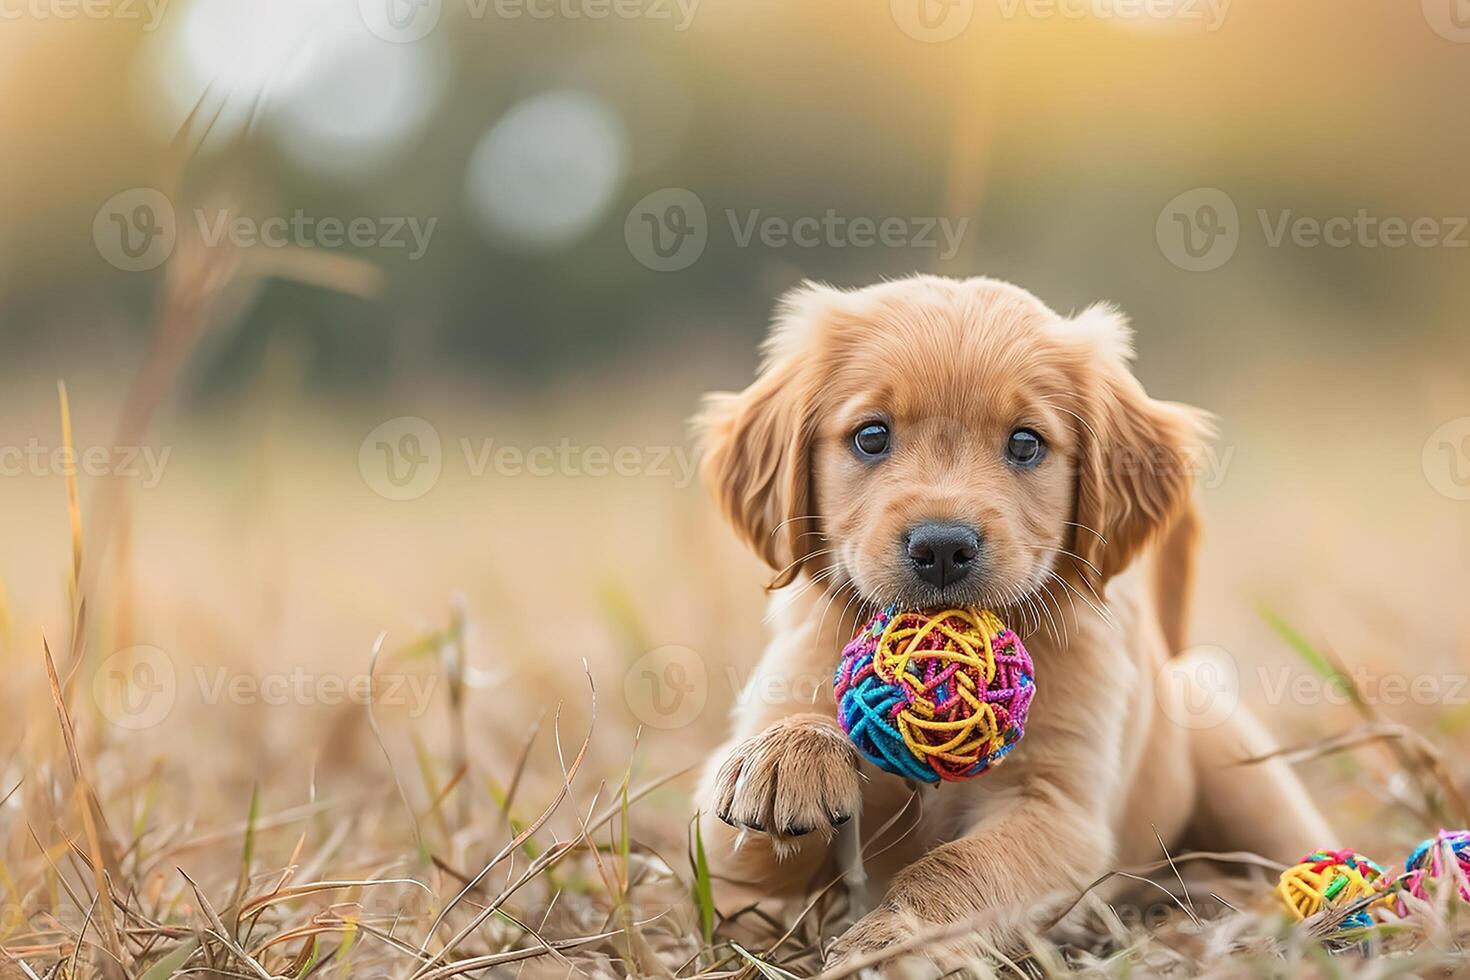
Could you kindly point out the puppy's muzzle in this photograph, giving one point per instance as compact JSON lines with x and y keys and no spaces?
{"x":942,"y":554}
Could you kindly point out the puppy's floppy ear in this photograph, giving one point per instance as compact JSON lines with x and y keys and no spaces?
{"x":1135,"y":465}
{"x":757,"y":443}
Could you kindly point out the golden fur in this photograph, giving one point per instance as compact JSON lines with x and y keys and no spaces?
{"x":1089,"y":554}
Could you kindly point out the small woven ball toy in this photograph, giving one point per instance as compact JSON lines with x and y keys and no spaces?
{"x":1431,"y":861}
{"x":1328,"y":879}
{"x":939,"y":695}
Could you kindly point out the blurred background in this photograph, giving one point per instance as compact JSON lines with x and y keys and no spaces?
{"x":387,"y":316}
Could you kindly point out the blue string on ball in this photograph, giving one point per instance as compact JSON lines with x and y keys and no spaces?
{"x":930,"y":696}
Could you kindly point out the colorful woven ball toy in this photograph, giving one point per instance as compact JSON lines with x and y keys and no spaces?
{"x":1430,"y":862}
{"x":933,"y":696}
{"x":1329,"y":879}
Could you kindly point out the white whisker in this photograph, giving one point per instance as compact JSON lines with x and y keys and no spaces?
{"x":1089,"y":530}
{"x":791,"y":520}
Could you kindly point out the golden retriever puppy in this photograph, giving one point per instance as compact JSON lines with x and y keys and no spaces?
{"x":936,"y":442}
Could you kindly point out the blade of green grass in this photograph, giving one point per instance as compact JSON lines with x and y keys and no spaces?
{"x":1309,"y":654}
{"x":704,"y":895}
{"x":171,"y":963}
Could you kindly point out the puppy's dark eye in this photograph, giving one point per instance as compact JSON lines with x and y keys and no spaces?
{"x":1025,"y":448}
{"x":871,"y":439}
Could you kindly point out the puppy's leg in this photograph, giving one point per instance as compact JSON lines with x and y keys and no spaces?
{"x":772,"y":795}
{"x":1260,"y":807}
{"x":775,"y":799}
{"x":1041,"y":829}
{"x":998,"y":882}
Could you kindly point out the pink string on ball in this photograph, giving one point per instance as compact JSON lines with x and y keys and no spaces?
{"x":936,"y":695}
{"x":1445,"y":855}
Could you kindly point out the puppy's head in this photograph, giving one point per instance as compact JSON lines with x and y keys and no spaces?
{"x":933,"y":441}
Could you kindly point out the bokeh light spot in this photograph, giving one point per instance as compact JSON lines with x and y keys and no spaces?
{"x":547,"y":171}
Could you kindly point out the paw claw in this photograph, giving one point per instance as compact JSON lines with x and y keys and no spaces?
{"x":797,"y":776}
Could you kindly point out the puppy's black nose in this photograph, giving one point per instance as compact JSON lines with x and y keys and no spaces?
{"x":942,"y":554}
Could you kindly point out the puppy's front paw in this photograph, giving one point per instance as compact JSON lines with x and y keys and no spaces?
{"x":879,"y":929}
{"x":891,"y":930}
{"x":798,"y":776}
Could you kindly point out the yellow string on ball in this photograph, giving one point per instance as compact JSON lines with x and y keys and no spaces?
{"x":934,"y":695}
{"x":1330,"y":879}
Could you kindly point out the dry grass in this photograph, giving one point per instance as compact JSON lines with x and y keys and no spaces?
{"x":496,"y":809}
{"x":512,"y":822}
